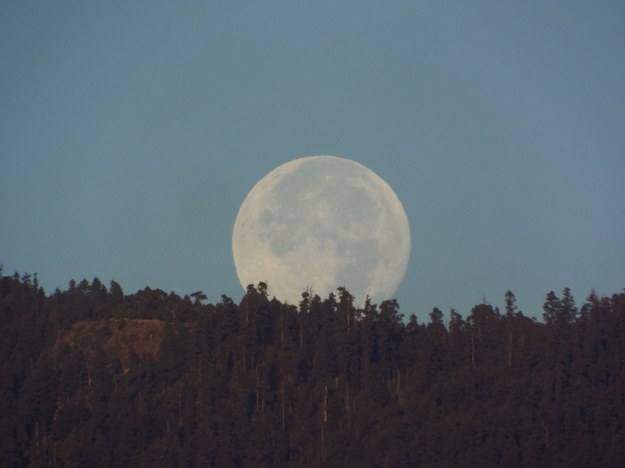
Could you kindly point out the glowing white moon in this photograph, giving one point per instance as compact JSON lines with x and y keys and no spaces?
{"x":322,"y":222}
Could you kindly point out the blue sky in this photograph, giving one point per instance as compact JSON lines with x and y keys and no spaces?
{"x":131,"y":132}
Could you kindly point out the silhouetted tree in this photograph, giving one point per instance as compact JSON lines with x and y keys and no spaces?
{"x":93,"y":377}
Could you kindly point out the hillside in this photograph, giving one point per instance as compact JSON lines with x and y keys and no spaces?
{"x":121,"y":338}
{"x":94,"y":377}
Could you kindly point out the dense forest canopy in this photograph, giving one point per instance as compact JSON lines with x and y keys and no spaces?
{"x":92,"y":376}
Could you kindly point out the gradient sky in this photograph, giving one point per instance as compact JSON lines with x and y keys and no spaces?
{"x":131,"y":132}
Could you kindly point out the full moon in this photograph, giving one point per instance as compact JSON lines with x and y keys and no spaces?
{"x":319,"y":223}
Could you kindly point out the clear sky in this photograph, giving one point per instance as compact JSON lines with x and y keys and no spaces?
{"x":131,"y":132}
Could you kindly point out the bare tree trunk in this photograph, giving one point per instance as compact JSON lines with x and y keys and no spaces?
{"x":257,"y":390}
{"x":282,"y":407}
{"x":349,"y":318}
{"x":472,"y":350}
{"x":324,"y":420}
{"x":509,"y":350}
{"x":325,"y":405}
{"x":180,"y":410}
{"x":281,"y":327}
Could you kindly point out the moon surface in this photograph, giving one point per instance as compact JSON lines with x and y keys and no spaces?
{"x":321,"y":222}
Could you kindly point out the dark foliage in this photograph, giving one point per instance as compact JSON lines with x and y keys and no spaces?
{"x":93,"y":377}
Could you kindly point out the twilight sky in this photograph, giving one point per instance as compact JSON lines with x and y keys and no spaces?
{"x":131,"y":132}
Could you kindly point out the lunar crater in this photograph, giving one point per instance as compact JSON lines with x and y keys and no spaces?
{"x":322,"y":222}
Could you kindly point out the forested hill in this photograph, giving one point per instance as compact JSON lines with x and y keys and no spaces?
{"x":94,"y":377}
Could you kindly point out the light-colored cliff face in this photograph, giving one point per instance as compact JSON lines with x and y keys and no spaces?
{"x":117,"y":338}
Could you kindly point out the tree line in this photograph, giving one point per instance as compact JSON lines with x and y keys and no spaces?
{"x":92,"y":376}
